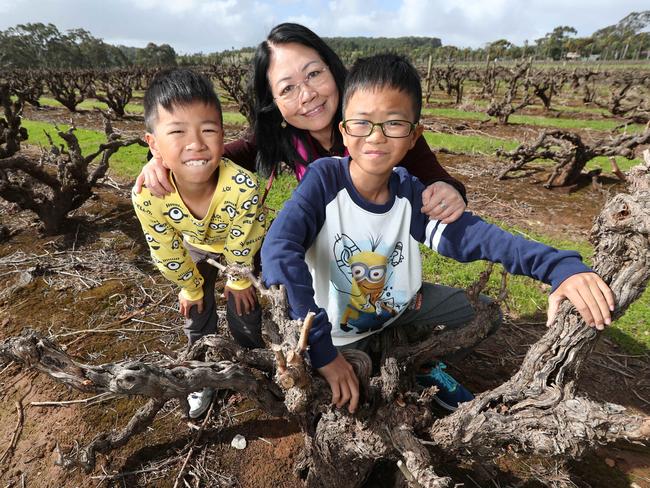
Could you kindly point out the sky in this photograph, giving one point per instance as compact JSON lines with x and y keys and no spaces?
{"x":192,"y":26}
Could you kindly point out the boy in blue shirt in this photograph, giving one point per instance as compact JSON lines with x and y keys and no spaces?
{"x":346,"y":243}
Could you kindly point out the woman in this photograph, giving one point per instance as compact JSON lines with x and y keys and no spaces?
{"x":297,"y":83}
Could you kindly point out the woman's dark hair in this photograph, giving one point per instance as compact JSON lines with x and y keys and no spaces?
{"x":274,"y":143}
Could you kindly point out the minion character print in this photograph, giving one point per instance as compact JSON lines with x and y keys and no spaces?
{"x":370,"y":303}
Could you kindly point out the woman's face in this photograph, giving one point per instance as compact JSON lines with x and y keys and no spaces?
{"x":303,"y":87}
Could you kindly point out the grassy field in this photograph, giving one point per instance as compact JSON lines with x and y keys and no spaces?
{"x":91,"y":104}
{"x":126,"y":162}
{"x":475,"y":144}
{"x":536,"y":120}
{"x":526,"y":297}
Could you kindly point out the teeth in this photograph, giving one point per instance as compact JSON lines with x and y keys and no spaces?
{"x":196,"y":162}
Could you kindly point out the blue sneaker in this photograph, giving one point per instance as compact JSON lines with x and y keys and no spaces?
{"x":450,"y":392}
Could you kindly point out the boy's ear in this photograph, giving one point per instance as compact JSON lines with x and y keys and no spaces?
{"x":417,"y":132}
{"x":343,"y":133}
{"x":150,"y":139}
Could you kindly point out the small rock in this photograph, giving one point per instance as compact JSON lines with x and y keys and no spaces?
{"x":610,"y":462}
{"x":635,"y":485}
{"x":238,"y":442}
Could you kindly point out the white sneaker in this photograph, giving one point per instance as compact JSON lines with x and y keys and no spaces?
{"x":199,"y":402}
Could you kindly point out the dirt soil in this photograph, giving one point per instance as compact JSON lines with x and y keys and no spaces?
{"x":94,"y":289}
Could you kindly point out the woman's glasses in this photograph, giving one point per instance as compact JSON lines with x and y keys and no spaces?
{"x":314,"y":79}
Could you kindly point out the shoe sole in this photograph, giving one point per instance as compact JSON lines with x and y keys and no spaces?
{"x":444,"y":405}
{"x":197,"y":413}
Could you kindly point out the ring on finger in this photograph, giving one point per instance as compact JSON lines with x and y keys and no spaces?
{"x":443,"y":205}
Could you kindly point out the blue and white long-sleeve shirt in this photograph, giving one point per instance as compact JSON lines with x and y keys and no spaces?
{"x":358,"y":265}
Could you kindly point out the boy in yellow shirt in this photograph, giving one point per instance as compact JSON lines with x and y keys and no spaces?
{"x":213,"y":212}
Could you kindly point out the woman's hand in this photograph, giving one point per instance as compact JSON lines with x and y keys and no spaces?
{"x":441,"y":201}
{"x":155,"y":176}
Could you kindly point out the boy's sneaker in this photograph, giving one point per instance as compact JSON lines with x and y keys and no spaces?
{"x":450,"y":392}
{"x":199,"y":402}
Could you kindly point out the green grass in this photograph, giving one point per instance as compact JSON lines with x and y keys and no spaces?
{"x":527,"y":297}
{"x":560,"y":123}
{"x":469,"y":144}
{"x":281,"y":190}
{"x":126,"y":162}
{"x":604,"y":125}
{"x":452,"y":113}
{"x":488,"y":145}
{"x":234,"y":118}
{"x":91,"y":104}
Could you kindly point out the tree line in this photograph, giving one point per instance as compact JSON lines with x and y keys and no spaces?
{"x":37,"y":45}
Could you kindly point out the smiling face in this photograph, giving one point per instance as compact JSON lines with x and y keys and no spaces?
{"x":315,"y":106}
{"x":189,"y":139}
{"x":377,"y":154}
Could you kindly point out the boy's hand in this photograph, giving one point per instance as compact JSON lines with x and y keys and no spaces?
{"x":185,"y":305}
{"x":441,"y":201}
{"x":589,"y":294}
{"x":155,"y":177}
{"x":245,"y":299}
{"x":343,"y":382}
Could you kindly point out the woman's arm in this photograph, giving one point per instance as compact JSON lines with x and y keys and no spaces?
{"x":423,"y":164}
{"x":243,"y":152}
{"x":445,"y":197}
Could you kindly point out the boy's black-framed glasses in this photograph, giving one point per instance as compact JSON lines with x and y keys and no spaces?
{"x":390,"y":128}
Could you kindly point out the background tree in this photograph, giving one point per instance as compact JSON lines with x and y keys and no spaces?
{"x":552,"y":44}
{"x":154,"y":55}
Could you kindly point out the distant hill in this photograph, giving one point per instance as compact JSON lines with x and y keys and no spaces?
{"x":371,"y":44}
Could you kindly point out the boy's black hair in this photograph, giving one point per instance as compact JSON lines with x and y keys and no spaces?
{"x":385,"y":71}
{"x":177,"y":86}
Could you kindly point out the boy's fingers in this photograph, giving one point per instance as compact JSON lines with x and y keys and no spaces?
{"x":199,"y":307}
{"x":553,"y":305}
{"x":581,"y":307}
{"x":601,"y":304}
{"x":593,"y":308}
{"x":138,"y":183}
{"x":250,"y":301}
{"x":345,"y":395}
{"x":608,"y":293}
{"x":162,"y":176}
{"x":336,"y":392}
{"x":354,"y":390}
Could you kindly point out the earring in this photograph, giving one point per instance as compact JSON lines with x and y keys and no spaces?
{"x":283,"y":124}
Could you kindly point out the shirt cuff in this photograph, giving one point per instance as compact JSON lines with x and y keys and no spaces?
{"x":238,"y":285}
{"x":192,"y":295}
